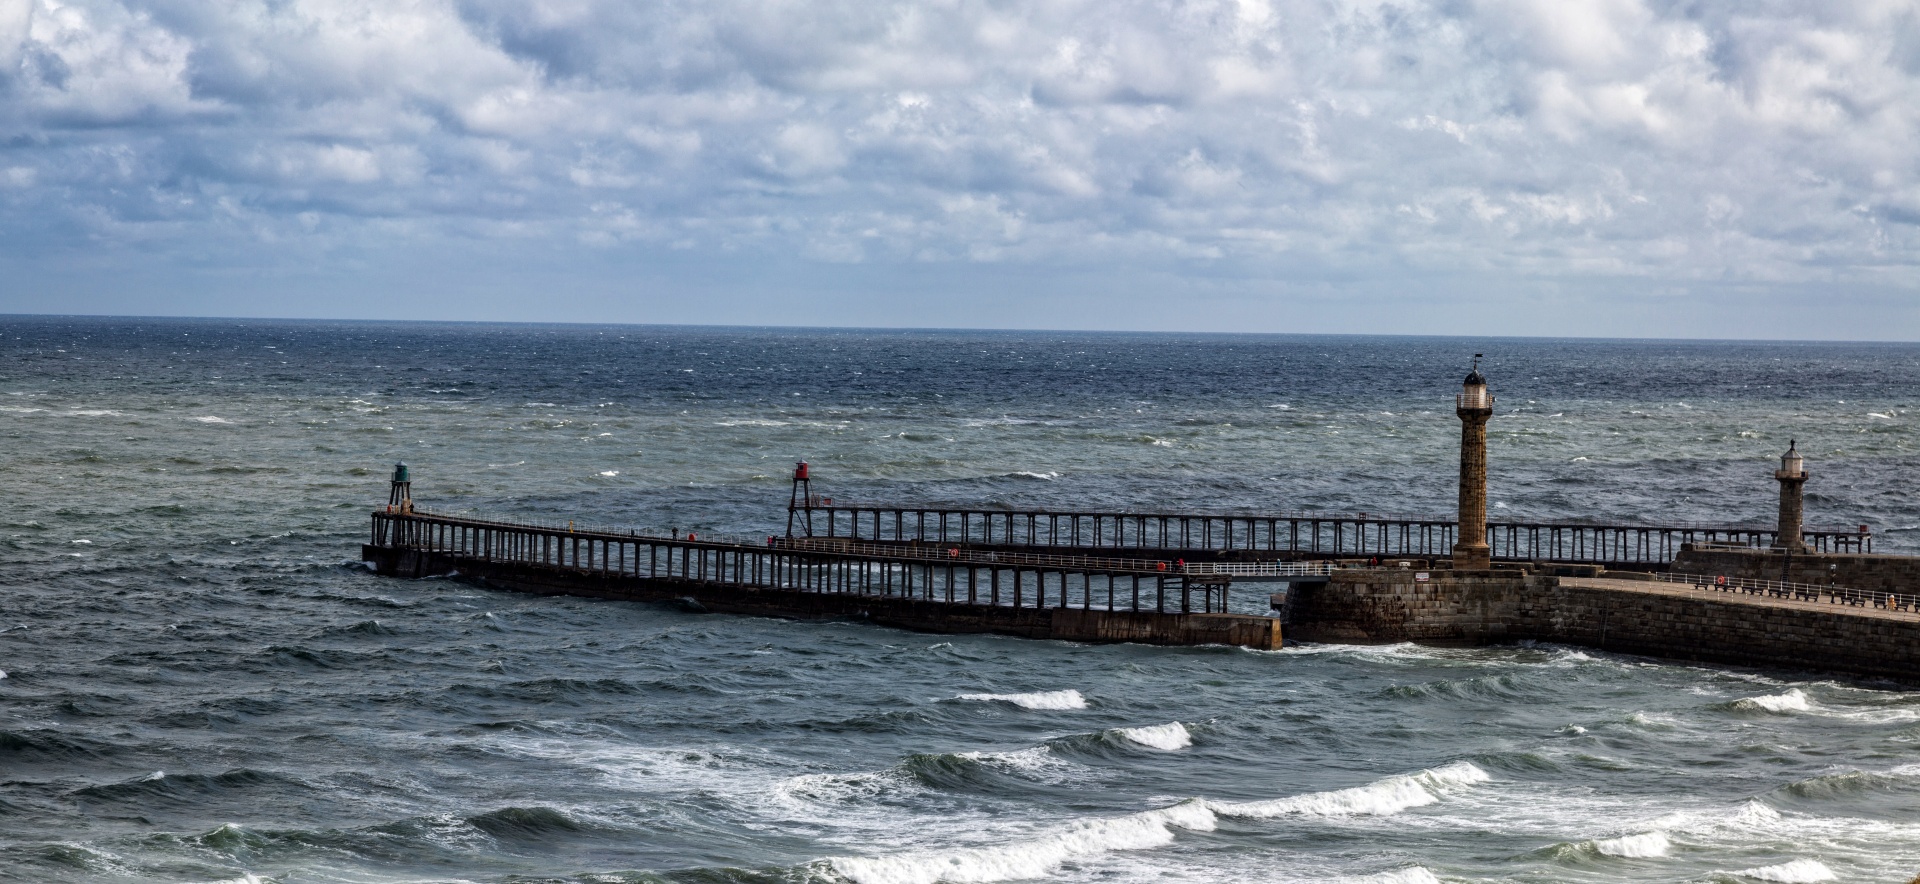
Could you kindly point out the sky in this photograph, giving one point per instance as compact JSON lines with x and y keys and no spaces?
{"x":1638,"y":168}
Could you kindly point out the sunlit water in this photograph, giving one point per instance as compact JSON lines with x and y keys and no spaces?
{"x":202,"y":685}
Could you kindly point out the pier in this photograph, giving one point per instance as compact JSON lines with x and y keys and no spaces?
{"x":947,"y":589}
{"x":1288,"y":536}
{"x":1780,"y":594}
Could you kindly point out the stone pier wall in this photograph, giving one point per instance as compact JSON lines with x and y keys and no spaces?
{"x":1852,"y":570}
{"x":1624,"y":616}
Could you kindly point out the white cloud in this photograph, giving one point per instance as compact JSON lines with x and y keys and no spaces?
{"x":1276,"y":139}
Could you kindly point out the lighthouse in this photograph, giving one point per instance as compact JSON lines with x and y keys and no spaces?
{"x":1793,"y":479}
{"x":1474,"y":405}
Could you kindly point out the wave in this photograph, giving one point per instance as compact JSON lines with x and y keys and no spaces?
{"x":1037,"y":857}
{"x":986,"y":772}
{"x":1169,"y":737}
{"x":1025,"y":474}
{"x":1387,"y":796}
{"x":1408,"y":875}
{"x":1030,"y":859}
{"x":1795,"y":871}
{"x":1048,"y":700}
{"x":525,"y":823}
{"x":1793,"y":700}
{"x":1641,"y":846}
{"x":195,"y":788}
{"x":211,"y":419}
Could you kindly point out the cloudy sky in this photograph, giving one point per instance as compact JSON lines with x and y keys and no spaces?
{"x":1690,"y":168}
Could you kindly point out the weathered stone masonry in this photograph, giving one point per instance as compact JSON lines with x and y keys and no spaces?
{"x":1659,"y":620}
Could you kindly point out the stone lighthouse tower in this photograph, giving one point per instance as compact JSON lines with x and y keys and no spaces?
{"x":1474,"y":405}
{"x":1793,"y":479}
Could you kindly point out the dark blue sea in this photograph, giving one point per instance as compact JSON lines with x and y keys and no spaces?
{"x":202,"y":684}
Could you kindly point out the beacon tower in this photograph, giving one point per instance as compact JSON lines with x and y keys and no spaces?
{"x":400,"y":493}
{"x":1793,"y":479}
{"x":1474,"y":405}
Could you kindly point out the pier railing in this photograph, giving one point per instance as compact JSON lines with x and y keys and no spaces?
{"x":1806,"y":592}
{"x":1296,"y":535}
{"x":947,"y":575}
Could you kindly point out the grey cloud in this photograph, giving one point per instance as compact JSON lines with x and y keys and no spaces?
{"x":1282,"y":141}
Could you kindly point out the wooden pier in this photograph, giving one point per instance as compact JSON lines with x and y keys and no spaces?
{"x":1287,"y":536}
{"x":939,"y":589}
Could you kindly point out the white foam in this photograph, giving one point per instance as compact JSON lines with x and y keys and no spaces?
{"x":1169,"y":737}
{"x":609,"y":473}
{"x":1387,"y":796}
{"x":156,"y":775}
{"x":1067,"y":699}
{"x":3,"y":673}
{"x":1799,"y":870}
{"x":1408,"y":875}
{"x":1791,"y":701}
{"x":92,"y":412}
{"x":210,"y":419}
{"x":1031,"y":475}
{"x":1884,"y":417}
{"x":245,"y":878}
{"x":1032,"y":858}
{"x":1641,"y":846}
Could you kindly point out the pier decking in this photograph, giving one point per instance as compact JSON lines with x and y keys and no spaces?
{"x":1288,"y":536}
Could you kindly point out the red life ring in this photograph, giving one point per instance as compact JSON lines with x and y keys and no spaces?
{"x":1163,"y":566}
{"x":953,"y":553}
{"x":1720,"y":580}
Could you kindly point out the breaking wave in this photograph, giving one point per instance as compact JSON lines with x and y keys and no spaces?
{"x":1391,"y":795}
{"x":1794,"y":872}
{"x":1067,"y":699}
{"x":1168,"y":737}
{"x":1036,"y":857}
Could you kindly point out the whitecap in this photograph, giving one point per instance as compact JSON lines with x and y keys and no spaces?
{"x":1799,"y":870}
{"x":1280,"y":406}
{"x":1578,"y":459}
{"x":1170,"y":737}
{"x":1640,"y":846}
{"x":3,"y":673}
{"x":210,"y":419}
{"x":1408,"y":875}
{"x":1387,"y":796}
{"x":1791,"y":701}
{"x":1031,"y":858}
{"x":156,"y":775}
{"x":1031,"y":475}
{"x":245,"y":878}
{"x":1067,"y":699}
{"x":92,"y":412}
{"x":1884,"y":417}
{"x":609,"y":473}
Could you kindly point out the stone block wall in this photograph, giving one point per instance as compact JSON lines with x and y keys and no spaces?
{"x":1478,"y":608}
{"x":1884,"y":573}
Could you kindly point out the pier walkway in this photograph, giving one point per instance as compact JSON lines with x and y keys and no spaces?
{"x":940,"y":589}
{"x":1288,"y":536}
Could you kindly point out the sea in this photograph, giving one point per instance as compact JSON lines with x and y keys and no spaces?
{"x":202,"y":683}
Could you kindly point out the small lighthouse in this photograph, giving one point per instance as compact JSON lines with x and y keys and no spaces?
{"x":400,"y":496}
{"x":1474,"y":405}
{"x":1793,"y":479}
{"x":800,"y":504}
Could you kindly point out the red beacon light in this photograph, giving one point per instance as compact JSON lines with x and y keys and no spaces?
{"x":800,"y":470}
